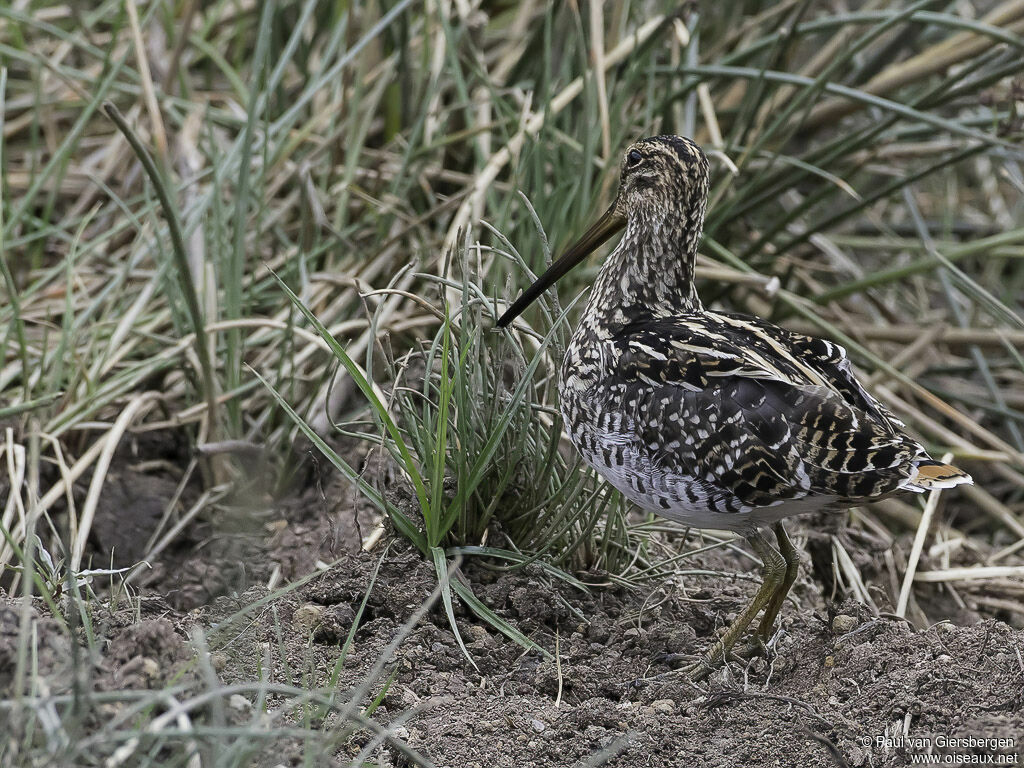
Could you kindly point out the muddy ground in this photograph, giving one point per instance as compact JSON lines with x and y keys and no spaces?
{"x":844,"y":686}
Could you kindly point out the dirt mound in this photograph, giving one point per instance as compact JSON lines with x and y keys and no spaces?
{"x":872,"y":695}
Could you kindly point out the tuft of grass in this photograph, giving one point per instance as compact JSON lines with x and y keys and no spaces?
{"x":479,"y":468}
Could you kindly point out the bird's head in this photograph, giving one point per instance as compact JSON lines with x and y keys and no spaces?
{"x":659,"y":175}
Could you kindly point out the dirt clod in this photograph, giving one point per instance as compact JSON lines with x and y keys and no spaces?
{"x":842,"y":624}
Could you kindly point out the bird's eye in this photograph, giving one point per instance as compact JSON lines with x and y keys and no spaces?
{"x":633,"y":158}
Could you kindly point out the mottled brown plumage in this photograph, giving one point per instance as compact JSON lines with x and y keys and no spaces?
{"x":713,"y":419}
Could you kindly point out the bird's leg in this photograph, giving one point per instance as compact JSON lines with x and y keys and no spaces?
{"x":792,"y":558}
{"x":775,"y":574}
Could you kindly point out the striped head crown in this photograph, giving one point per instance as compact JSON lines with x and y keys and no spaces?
{"x":663,"y":172}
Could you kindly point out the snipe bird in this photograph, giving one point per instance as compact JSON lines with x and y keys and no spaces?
{"x":714,"y":419}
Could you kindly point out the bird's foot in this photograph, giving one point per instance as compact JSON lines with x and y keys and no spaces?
{"x":708,"y":663}
{"x":716,"y":658}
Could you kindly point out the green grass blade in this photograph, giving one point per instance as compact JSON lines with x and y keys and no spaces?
{"x":441,"y":568}
{"x":379,"y":409}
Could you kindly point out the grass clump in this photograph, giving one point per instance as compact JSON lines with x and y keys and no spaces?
{"x":478,"y":467}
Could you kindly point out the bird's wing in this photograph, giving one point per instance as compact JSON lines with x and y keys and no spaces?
{"x":750,"y":413}
{"x":828,"y":359}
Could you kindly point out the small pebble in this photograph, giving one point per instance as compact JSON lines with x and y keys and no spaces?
{"x":478,"y":634}
{"x":842,"y":624}
{"x":663,"y":706}
{"x":150,"y":668}
{"x":306,"y":617}
{"x":538,"y":725}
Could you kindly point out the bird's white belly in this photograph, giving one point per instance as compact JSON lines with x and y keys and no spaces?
{"x":683,"y":499}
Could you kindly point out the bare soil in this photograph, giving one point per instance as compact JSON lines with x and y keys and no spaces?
{"x":841,"y":687}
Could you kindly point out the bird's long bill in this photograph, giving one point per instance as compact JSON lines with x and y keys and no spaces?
{"x":610,"y":223}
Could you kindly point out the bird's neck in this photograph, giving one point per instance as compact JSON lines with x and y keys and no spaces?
{"x":650,"y":273}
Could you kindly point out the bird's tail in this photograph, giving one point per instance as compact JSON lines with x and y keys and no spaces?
{"x":934,"y":474}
